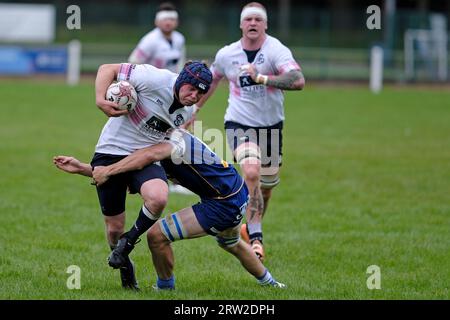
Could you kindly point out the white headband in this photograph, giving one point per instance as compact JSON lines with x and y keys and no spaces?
{"x":165,"y":14}
{"x":253,"y":10}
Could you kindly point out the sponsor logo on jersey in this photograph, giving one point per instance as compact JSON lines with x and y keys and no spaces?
{"x":156,"y":124}
{"x":246,"y":81}
{"x":260,"y":59}
{"x":179,"y":120}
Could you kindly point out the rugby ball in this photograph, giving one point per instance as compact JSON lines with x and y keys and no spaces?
{"x":122,"y":93}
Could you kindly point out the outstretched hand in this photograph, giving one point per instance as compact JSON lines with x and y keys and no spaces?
{"x":68,"y":164}
{"x":72,"y":165}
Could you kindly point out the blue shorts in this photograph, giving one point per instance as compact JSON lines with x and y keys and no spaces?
{"x":112,"y":194}
{"x":217,"y":215}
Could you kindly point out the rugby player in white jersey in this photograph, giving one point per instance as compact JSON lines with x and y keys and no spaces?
{"x":258,"y":67}
{"x":163,"y":47}
{"x":164,"y":100}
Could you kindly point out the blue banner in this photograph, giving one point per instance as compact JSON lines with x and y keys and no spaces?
{"x":16,"y":60}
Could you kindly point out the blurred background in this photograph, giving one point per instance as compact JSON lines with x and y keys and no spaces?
{"x":329,"y":38}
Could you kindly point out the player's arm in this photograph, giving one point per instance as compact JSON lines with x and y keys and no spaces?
{"x":106,"y":74}
{"x":72,"y":165}
{"x":135,"y":161}
{"x":291,"y":80}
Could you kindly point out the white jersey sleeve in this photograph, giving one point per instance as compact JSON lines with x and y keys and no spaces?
{"x":217,"y":67}
{"x":284,"y":61}
{"x":138,"y":76}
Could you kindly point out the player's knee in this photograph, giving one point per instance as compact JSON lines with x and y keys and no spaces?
{"x":251,"y":173}
{"x":155,"y":238}
{"x":156,"y":202}
{"x":115,"y":229}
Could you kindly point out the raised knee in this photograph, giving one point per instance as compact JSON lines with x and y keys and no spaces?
{"x":156,"y":202}
{"x":115,"y":227}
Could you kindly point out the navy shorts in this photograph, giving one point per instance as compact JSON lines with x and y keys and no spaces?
{"x":112,"y":194}
{"x":217,"y":215}
{"x":269,"y":139}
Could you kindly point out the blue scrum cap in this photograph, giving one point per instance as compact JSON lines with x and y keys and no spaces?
{"x":195,"y":73}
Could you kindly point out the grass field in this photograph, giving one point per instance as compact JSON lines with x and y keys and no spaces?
{"x":365,"y":181}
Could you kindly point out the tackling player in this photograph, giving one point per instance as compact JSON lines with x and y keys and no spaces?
{"x":223,"y":195}
{"x":258,"y":67}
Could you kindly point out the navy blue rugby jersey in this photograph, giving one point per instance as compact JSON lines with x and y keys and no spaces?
{"x":196,"y":167}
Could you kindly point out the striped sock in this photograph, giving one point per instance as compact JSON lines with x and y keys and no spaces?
{"x":255,"y":232}
{"x":144,"y":221}
{"x":266,"y":279}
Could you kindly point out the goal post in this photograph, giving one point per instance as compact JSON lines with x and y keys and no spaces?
{"x":429,"y":47}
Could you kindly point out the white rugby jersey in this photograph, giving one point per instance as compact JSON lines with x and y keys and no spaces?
{"x":148,"y":122}
{"x":252,"y":104}
{"x":156,"y":50}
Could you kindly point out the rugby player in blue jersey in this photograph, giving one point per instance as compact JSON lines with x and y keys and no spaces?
{"x":223,"y":194}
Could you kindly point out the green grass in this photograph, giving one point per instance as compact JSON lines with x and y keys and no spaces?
{"x":365,"y":181}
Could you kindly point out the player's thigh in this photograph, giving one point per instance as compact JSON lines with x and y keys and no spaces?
{"x":150,"y":182}
{"x":181,"y":225}
{"x":111,"y":194}
{"x":242,"y":140}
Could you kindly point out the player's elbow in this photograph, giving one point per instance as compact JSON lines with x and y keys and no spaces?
{"x":108,"y":68}
{"x":148,"y":159}
{"x":103,"y":67}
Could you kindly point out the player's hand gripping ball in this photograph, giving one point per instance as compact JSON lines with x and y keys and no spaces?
{"x":122,"y":93}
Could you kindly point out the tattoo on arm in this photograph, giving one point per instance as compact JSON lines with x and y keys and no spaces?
{"x":285,"y":81}
{"x":256,"y":204}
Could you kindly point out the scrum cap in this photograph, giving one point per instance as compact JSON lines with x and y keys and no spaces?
{"x":195,"y":73}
